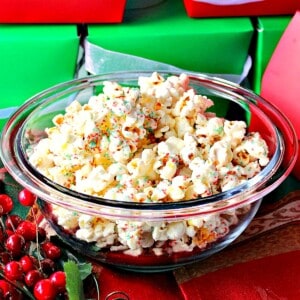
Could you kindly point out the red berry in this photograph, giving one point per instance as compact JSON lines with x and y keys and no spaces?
{"x":15,"y":294}
{"x":15,"y":244}
{"x":2,"y":236}
{"x":48,"y":266}
{"x":35,"y":262}
{"x":44,"y":290}
{"x":5,"y":257}
{"x":28,"y":230}
{"x":26,"y":198}
{"x":13,"y":270}
{"x":8,"y":291}
{"x":32,"y":277}
{"x":59,"y":280}
{"x":51,"y":251}
{"x":42,"y":233}
{"x":5,"y":287}
{"x":6,"y":204}
{"x":46,"y":245}
{"x":9,"y":232}
{"x":12,"y":222}
{"x":27,"y":263}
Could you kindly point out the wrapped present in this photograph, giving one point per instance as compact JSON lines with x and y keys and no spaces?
{"x":62,"y":11}
{"x":174,"y":39}
{"x":226,"y":8}
{"x":269,"y":31}
{"x":280,"y":82}
{"x":33,"y":58}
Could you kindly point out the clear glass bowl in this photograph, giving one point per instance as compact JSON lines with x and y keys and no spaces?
{"x":235,"y":207}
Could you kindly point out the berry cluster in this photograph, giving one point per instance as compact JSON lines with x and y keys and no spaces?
{"x":28,"y":259}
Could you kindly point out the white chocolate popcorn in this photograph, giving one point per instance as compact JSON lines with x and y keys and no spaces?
{"x":153,"y":143}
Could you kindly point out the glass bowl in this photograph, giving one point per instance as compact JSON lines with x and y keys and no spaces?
{"x":165,"y":235}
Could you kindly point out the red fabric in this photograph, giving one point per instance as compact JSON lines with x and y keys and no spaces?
{"x":275,"y":277}
{"x":138,"y":285}
{"x":264,"y":263}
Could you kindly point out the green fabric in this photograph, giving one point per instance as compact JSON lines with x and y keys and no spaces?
{"x":165,"y":33}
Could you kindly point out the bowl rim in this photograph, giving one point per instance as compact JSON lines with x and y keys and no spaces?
{"x":248,"y":192}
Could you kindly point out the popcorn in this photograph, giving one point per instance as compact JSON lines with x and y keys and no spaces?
{"x":220,"y":153}
{"x":67,"y":219}
{"x":153,"y":143}
{"x":235,"y":130}
{"x":176,"y":230}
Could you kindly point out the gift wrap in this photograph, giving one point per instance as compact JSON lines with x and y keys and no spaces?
{"x":61,"y":11}
{"x":34,"y":58}
{"x":226,"y":8}
{"x":164,"y":33}
{"x":280,"y":82}
{"x":269,"y":31}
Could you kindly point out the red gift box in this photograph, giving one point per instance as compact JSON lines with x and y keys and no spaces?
{"x":62,"y":11}
{"x":280,"y":82}
{"x":226,"y":8}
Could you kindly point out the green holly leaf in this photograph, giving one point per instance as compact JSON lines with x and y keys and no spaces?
{"x":75,"y":274}
{"x":85,"y":270}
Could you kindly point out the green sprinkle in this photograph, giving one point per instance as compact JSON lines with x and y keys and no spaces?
{"x":92,"y":144}
{"x":219,"y":130}
{"x":68,"y":156}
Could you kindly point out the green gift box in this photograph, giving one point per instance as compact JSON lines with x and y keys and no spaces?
{"x":165,"y":33}
{"x":33,"y":58}
{"x":269,"y":31}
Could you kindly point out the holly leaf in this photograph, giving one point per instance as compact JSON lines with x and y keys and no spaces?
{"x":74,"y":283}
{"x":85,"y":270}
